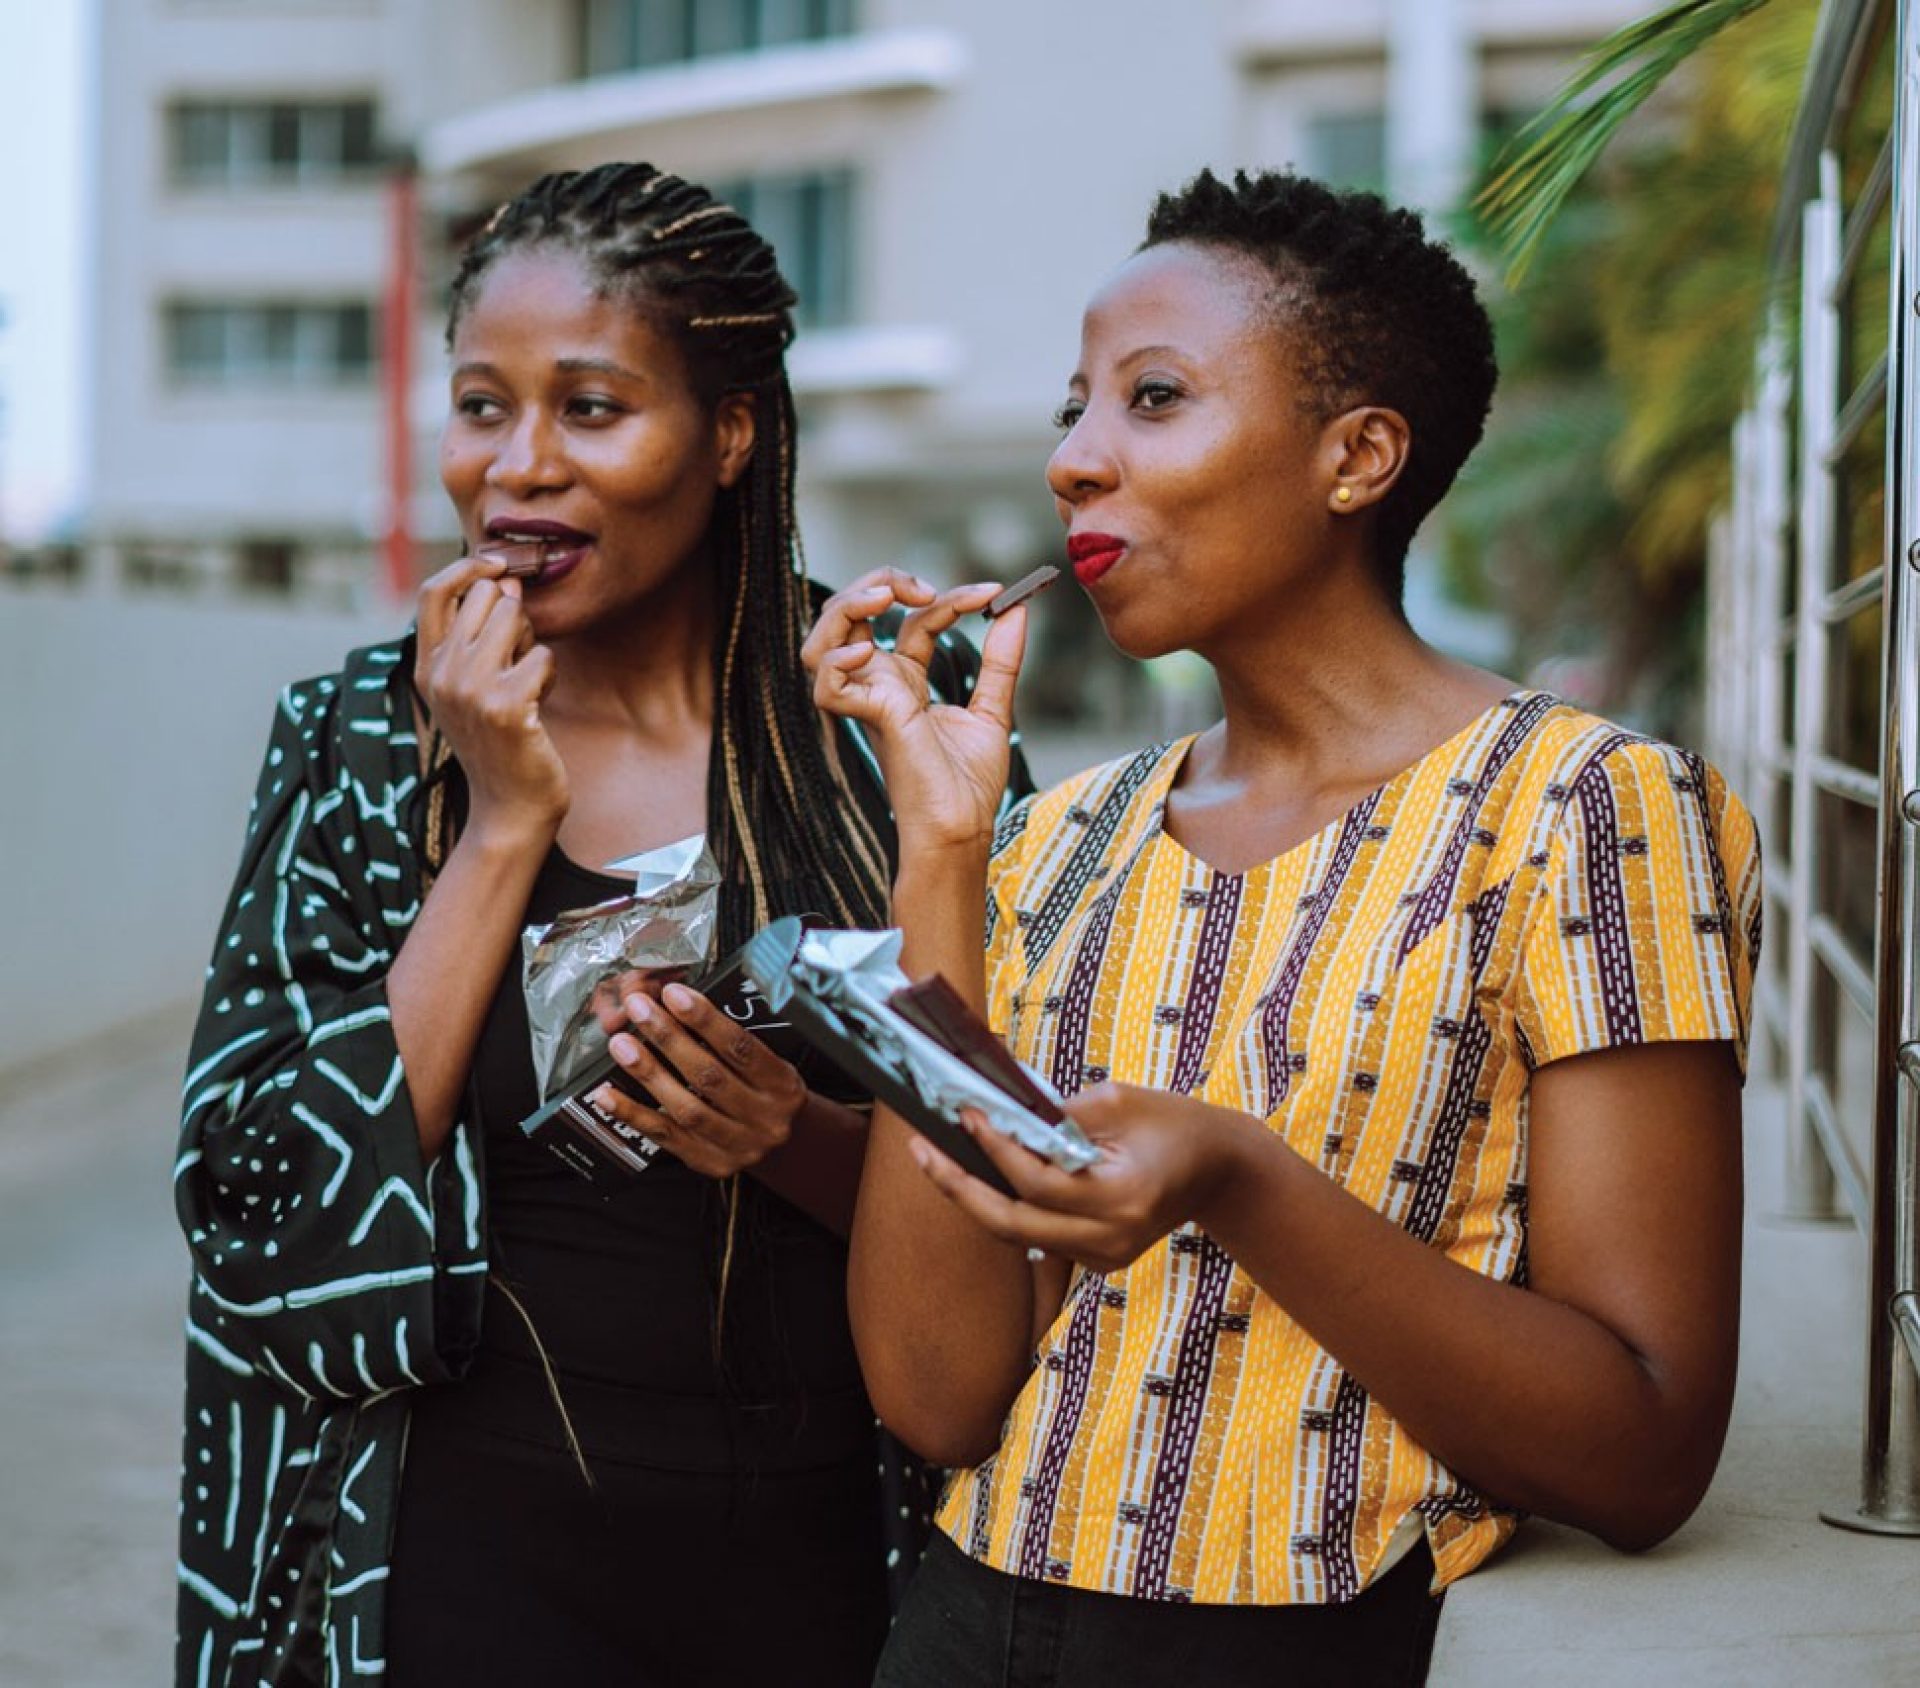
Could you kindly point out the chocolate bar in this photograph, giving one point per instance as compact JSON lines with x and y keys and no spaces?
{"x":521,"y":560}
{"x":939,"y":1010}
{"x":1022,"y":589}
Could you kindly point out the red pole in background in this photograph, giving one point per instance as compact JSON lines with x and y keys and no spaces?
{"x":396,"y":379}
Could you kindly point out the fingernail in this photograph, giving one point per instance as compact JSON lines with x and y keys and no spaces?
{"x":639,"y":1009}
{"x":678,"y":997}
{"x":624,"y":1047}
{"x":919,"y":1153}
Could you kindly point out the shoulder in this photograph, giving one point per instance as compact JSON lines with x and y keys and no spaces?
{"x":1653,"y":821}
{"x":1562,"y":764}
{"x":361,"y":700}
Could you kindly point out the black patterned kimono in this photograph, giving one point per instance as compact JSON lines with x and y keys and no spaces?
{"x":334,"y":1271}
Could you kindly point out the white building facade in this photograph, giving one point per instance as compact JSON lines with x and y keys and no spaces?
{"x":945,"y":182}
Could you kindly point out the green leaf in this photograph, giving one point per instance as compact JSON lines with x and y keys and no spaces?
{"x":1551,"y":154}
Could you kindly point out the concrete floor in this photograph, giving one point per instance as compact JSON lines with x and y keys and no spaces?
{"x":1754,"y":1591}
{"x":93,"y":1282}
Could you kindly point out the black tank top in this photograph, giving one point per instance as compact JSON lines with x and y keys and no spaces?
{"x":620,"y":1283}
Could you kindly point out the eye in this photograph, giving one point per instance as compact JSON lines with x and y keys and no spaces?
{"x":1068,"y":414}
{"x":1155,"y":394}
{"x":594,"y":407}
{"x":477,"y":407}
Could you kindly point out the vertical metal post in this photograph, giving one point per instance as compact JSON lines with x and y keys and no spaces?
{"x":1890,"y":1453}
{"x":1809,"y":1186}
{"x":1773,"y":518}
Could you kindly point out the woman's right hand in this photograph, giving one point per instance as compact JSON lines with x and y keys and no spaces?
{"x":945,"y":766}
{"x":482,"y":676}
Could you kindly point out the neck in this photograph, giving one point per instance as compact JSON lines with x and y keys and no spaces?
{"x":649,"y":669}
{"x":1336,"y":688}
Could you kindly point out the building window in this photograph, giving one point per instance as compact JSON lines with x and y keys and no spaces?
{"x":809,"y":222}
{"x":268,"y":343}
{"x":1348,"y":149}
{"x":271,"y":143}
{"x":266,"y":565}
{"x":618,"y":35}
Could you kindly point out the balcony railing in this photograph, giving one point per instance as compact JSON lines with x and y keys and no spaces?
{"x":1814,"y":686}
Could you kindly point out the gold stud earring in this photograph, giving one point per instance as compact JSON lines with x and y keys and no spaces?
{"x":1343,"y":495}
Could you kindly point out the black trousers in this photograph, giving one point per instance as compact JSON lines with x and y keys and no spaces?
{"x":965,"y":1625}
{"x":508,"y":1572}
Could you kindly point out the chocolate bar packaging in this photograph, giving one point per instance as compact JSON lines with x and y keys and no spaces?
{"x":663,"y":932}
{"x":919,"y":1047}
{"x":604,"y":1149}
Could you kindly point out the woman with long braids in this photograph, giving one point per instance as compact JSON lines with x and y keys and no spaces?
{"x":1406,"y":1006}
{"x":456,"y":1415}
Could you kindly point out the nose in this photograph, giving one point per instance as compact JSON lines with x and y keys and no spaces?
{"x":1082,"y":464}
{"x":530,"y":457}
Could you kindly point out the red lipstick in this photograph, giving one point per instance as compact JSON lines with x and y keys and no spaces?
{"x":1092,"y":554}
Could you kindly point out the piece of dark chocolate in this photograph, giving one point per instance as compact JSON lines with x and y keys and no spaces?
{"x":1022,"y":589}
{"x":523,"y":558}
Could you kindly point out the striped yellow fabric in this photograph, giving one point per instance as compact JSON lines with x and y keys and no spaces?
{"x":1541,"y":885}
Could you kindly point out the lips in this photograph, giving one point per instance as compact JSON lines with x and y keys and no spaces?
{"x":1092,"y":554}
{"x":561,"y":547}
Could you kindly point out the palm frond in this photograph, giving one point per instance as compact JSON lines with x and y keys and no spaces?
{"x":1546,"y":160}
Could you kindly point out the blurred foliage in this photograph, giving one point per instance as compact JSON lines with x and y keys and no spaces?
{"x":1626,"y":355}
{"x":1554,"y":152}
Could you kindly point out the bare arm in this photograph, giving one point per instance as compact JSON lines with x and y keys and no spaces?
{"x":1597,"y":1395}
{"x":944,"y":1315}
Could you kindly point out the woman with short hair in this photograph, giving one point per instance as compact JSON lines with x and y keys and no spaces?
{"x":1407,"y":1006}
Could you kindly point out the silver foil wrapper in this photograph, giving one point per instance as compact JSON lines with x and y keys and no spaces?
{"x":664,"y":931}
{"x":854,"y":973}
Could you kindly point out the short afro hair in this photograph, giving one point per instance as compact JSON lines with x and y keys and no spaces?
{"x":1376,"y":313}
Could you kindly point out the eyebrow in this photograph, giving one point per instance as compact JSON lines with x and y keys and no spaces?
{"x":566,"y":366}
{"x":1140,"y":353}
{"x":597,"y":366}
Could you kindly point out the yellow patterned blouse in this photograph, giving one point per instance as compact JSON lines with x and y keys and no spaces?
{"x":1541,"y":885}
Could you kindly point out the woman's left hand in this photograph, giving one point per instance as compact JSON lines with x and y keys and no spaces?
{"x":724,"y":1100}
{"x":1162,"y":1159}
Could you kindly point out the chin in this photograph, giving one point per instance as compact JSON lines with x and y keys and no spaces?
{"x":1144,"y":637}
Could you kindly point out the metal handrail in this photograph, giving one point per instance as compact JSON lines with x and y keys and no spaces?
{"x":1825,"y":1120}
{"x":1826,"y":241}
{"x":1849,"y":972}
{"x":1864,"y":213}
{"x":1837,"y":39}
{"x":1858,"y":411}
{"x":1863,"y":592}
{"x":1842,"y":779}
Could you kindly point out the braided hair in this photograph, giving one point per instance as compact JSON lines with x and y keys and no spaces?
{"x":780,"y":818}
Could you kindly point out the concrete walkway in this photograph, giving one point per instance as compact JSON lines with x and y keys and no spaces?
{"x":93,"y":1290}
{"x":1755,"y":1591}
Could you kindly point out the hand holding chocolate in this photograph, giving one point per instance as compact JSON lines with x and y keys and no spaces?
{"x":922,"y":1050}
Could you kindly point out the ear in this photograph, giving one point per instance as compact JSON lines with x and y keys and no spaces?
{"x":735,"y":428}
{"x":1366,"y":449}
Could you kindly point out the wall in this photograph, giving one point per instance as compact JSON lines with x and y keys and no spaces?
{"x":130,"y":733}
